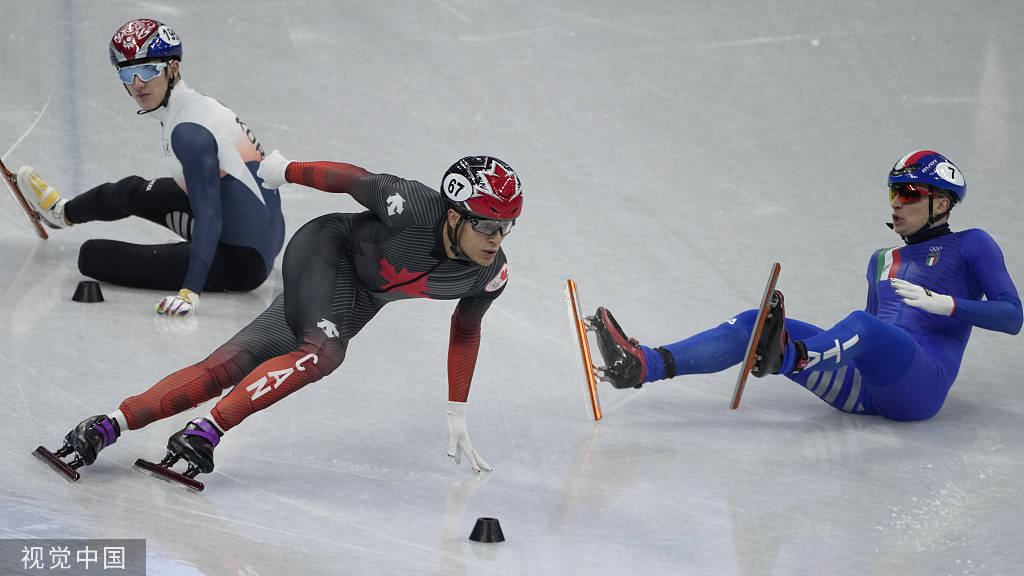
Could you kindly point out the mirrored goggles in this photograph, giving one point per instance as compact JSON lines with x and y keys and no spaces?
{"x":909,"y":193}
{"x":145,"y":72}
{"x":489,"y":227}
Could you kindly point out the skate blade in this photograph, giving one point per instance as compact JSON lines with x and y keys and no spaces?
{"x":580,"y":325}
{"x":165,"y":473}
{"x":750,"y":356}
{"x":33,"y":217}
{"x":59,"y":465}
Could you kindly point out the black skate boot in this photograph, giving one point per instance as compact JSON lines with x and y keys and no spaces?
{"x":195,"y":443}
{"x":771,"y":346}
{"x":625,"y":364}
{"x":91,"y":436}
{"x":85,"y":442}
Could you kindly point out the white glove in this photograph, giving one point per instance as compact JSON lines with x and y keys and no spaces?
{"x":181,"y":304}
{"x":272,"y":169}
{"x":458,"y":438}
{"x":923,"y":298}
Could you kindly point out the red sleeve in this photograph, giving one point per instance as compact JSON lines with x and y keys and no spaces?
{"x":334,"y":177}
{"x":463,"y":345}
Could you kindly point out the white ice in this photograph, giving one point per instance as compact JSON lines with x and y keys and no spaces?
{"x":670,"y":151}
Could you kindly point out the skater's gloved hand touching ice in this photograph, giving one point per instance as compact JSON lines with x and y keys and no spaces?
{"x":459,"y":443}
{"x":181,"y":304}
{"x":923,"y":298}
{"x":272,"y":170}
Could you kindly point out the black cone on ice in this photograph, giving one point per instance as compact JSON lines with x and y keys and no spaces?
{"x":88,"y":291}
{"x":487,"y":530}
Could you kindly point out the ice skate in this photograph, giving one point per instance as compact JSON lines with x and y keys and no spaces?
{"x":625,"y":364}
{"x":11,"y":179}
{"x":44,"y":199}
{"x":771,"y":346}
{"x":85,"y":442}
{"x":194,"y":443}
{"x":762,"y":335}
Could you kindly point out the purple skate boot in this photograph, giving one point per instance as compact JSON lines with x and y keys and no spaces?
{"x":194,"y":443}
{"x":85,"y":442}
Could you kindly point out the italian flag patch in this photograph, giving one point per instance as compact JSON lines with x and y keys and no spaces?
{"x":888,"y":264}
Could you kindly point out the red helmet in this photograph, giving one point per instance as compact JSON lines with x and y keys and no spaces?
{"x":483,"y":186}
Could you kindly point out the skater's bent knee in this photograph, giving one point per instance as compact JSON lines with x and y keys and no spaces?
{"x":94,"y":258}
{"x":322,"y":360}
{"x":863,"y":322}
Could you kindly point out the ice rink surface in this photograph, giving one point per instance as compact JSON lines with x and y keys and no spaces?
{"x":669,"y":151}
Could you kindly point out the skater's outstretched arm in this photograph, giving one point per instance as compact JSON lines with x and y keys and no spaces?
{"x":196,"y":148}
{"x":464,"y":343}
{"x":334,"y":177}
{"x":463,"y":346}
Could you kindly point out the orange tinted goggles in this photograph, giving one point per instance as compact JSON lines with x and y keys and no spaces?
{"x":909,"y":193}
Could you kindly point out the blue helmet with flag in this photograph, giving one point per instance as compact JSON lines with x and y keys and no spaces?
{"x":931,"y":168}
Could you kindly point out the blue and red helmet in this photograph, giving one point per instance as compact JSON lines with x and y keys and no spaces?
{"x":483,"y":186}
{"x":931,"y":168}
{"x":144,"y":39}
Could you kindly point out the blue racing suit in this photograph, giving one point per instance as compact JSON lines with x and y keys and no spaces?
{"x":890,"y":359}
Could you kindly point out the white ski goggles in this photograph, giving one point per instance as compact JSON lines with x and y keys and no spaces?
{"x":145,"y":72}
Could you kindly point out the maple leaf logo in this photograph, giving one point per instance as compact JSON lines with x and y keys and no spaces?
{"x":411,"y":283}
{"x":501,"y":182}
